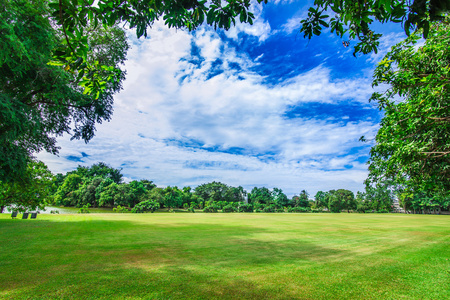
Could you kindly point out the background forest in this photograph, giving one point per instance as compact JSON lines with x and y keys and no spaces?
{"x":102,"y":186}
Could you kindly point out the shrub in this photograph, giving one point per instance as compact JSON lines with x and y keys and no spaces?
{"x":120,"y":209}
{"x":211,"y":208}
{"x":145,"y":206}
{"x":298,"y":209}
{"x":258,"y":207}
{"x":269,"y":208}
{"x":382,"y":211}
{"x":84,"y":209}
{"x":229,"y":209}
{"x":245,"y":207}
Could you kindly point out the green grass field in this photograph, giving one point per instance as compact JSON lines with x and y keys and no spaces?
{"x":226,"y":256}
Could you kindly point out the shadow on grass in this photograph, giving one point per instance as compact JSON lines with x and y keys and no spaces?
{"x":120,"y":259}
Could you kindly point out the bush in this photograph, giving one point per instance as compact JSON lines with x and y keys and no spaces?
{"x":258,"y":207}
{"x":269,"y":208}
{"x":84,"y":209}
{"x":211,"y":207}
{"x":298,"y":209}
{"x":145,"y":206}
{"x":120,"y":209}
{"x":382,"y":211}
{"x":245,"y":207}
{"x":229,"y":209}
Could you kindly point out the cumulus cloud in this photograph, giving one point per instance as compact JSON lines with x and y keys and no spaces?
{"x":194,"y":110}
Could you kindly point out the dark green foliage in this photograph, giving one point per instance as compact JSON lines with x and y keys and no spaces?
{"x":173,"y":197}
{"x":229,"y":208}
{"x":423,"y":202}
{"x":356,"y":18}
{"x":217,"y":191}
{"x":30,"y":195}
{"x":320,"y":199}
{"x":260,"y":195}
{"x":120,"y":209}
{"x":245,"y":207}
{"x":279,"y":198}
{"x":298,"y":209}
{"x":211,"y":207}
{"x":379,"y":197}
{"x":100,"y":169}
{"x":146,"y":206}
{"x":302,"y":200}
{"x":269,"y":208}
{"x":413,"y":143}
{"x":38,"y":100}
{"x":84,"y":209}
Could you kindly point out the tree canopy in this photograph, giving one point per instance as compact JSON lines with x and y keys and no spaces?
{"x":355,"y":19}
{"x":34,"y":194}
{"x":413,"y":143}
{"x":38,"y":100}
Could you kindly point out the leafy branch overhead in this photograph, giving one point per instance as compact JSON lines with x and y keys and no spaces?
{"x":413,"y":142}
{"x":355,"y":18}
{"x":77,"y":17}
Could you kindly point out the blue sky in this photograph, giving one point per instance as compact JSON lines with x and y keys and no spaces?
{"x":254,"y":106}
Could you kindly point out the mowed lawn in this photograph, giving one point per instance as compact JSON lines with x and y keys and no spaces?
{"x":225,"y":256}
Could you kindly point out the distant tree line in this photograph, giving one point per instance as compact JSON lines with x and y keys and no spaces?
{"x":101,"y":185}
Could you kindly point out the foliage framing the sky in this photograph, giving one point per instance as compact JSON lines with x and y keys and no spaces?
{"x":413,"y":143}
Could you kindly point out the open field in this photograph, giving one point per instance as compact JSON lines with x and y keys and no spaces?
{"x":227,"y":256}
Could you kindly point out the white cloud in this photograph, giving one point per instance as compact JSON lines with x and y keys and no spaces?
{"x":293,"y":24}
{"x":159,"y":118}
{"x":260,"y":29}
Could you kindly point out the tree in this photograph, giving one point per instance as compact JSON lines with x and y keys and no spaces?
{"x":357,"y":18}
{"x":235,"y":194}
{"x":173,"y":197}
{"x":279,"y":198}
{"x":379,"y":196}
{"x":413,"y":143}
{"x":302,"y":200}
{"x":347,"y":198}
{"x":109,"y":195}
{"x":101,"y":188}
{"x":260,"y":196}
{"x":320,"y":199}
{"x":32,"y":195}
{"x":67,"y":193}
{"x":87,"y":191}
{"x":335,"y":203}
{"x":39,"y":99}
{"x":215,"y":191}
